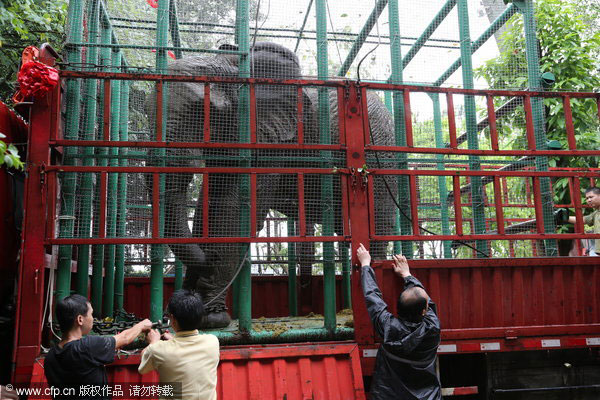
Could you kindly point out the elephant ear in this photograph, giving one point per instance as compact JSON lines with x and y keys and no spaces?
{"x":276,"y":104}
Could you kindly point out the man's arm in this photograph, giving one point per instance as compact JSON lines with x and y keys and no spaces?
{"x":376,"y":306}
{"x":147,"y":363}
{"x":129,"y":335}
{"x":587,"y":219}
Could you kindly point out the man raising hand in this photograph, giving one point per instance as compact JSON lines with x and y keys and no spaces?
{"x":405,"y":364}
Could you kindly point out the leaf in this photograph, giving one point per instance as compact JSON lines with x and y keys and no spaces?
{"x":8,"y":160}
{"x":13,"y":150}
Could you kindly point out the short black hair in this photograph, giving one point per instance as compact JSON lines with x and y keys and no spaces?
{"x":68,"y":309}
{"x":411,"y":304}
{"x":187,"y":308}
{"x":594,"y":189}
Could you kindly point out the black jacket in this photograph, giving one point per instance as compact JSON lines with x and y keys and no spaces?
{"x":405,"y":365}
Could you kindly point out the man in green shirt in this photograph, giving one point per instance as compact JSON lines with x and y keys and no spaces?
{"x":592,"y":197}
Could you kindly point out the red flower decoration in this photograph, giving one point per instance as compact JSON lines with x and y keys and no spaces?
{"x":152,"y":3}
{"x":36,"y":79}
{"x":170,"y":53}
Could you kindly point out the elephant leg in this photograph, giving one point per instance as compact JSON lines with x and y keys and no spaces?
{"x":176,"y":225}
{"x":225,"y":258}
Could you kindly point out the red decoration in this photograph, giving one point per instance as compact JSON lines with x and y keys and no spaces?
{"x":36,"y":79}
{"x":170,"y":53}
{"x":152,"y":3}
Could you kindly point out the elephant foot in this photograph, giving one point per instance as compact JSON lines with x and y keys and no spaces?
{"x":215,"y":320}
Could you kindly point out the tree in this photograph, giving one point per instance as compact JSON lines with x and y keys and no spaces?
{"x":27,"y":23}
{"x":569,"y":47}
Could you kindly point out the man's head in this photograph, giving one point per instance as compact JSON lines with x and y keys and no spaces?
{"x":413,"y":304}
{"x":592,"y":197}
{"x":74,"y":312}
{"x":186,"y":308}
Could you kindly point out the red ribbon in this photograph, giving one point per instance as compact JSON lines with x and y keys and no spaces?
{"x":36,"y":79}
{"x":170,"y":53}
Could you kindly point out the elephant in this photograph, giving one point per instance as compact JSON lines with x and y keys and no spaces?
{"x":211,"y":267}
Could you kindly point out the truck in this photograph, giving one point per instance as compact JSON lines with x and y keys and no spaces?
{"x":113,"y":143}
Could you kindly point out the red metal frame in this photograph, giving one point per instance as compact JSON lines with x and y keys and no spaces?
{"x":323,"y":371}
{"x":492,"y":123}
{"x":357,"y":208}
{"x":206,"y":113}
{"x":28,"y":315}
{"x":350,"y":97}
{"x":106,"y":116}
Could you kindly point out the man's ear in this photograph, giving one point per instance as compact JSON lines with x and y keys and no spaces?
{"x":80,"y":320}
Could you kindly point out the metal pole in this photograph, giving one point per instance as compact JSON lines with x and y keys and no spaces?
{"x":178,"y":275}
{"x":157,"y":251}
{"x":493,"y":28}
{"x":98,"y":250}
{"x":244,"y":284}
{"x":537,"y":107}
{"x":404,"y":218}
{"x":69,"y":180}
{"x":362,"y":36}
{"x":112,"y":192}
{"x":303,"y":25}
{"x":174,"y":28}
{"x":292,"y":265}
{"x":327,"y":180}
{"x":86,"y":188}
{"x":122,"y":198}
{"x":420,"y":42}
{"x":477,"y":198}
{"x":439,"y":143}
{"x":346,"y":270}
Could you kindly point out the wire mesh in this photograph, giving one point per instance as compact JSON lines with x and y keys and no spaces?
{"x":201,"y":42}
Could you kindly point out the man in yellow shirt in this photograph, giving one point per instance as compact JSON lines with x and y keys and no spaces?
{"x":189,"y":357}
{"x":592,"y":198}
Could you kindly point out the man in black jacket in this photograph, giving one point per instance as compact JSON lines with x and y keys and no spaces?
{"x":405,"y":365}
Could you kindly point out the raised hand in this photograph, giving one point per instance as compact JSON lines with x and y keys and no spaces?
{"x":363,"y":255}
{"x":401,"y":266}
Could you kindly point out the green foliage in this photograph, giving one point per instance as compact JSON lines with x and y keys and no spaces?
{"x":9,"y":155}
{"x":570,"y":49}
{"x":27,"y":23}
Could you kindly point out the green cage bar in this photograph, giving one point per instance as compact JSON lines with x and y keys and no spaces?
{"x":362,"y":36}
{"x":174,"y":29}
{"x":244,"y":285}
{"x":69,"y":180}
{"x":489,"y":32}
{"x":98,"y":250}
{"x":292,"y":265}
{"x":87,"y":183}
{"x":421,"y":40}
{"x":537,"y":107}
{"x":157,"y":250}
{"x":443,"y":189}
{"x":326,"y":180}
{"x":403,"y":216}
{"x":477,"y":197}
{"x":112,"y":191}
{"x":122,"y":197}
{"x":346,"y":274}
{"x":178,"y":275}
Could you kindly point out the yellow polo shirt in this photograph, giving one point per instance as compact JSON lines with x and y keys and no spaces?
{"x":189,"y":358}
{"x":594,"y":220}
